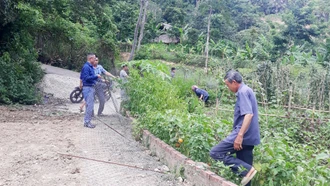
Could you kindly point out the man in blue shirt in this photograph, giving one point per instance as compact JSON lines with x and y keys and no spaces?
{"x":245,"y":134}
{"x":100,"y":85}
{"x":200,"y":93}
{"x":89,"y":78}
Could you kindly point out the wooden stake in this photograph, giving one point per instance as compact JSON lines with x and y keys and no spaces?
{"x":207,"y":41}
{"x":290,"y":96}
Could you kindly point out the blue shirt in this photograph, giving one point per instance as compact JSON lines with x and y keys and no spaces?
{"x":246,"y":103}
{"x":87,"y":75}
{"x":200,"y":92}
{"x":99,"y":70}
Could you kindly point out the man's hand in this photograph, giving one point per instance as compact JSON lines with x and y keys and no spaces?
{"x":239,"y":139}
{"x":80,"y":86}
{"x":99,"y":76}
{"x":238,"y":142}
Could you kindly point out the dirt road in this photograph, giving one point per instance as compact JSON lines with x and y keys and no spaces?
{"x":33,"y":137}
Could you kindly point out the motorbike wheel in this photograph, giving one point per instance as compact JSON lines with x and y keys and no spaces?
{"x":76,"y":96}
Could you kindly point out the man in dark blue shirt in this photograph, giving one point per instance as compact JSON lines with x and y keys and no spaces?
{"x":245,"y":134}
{"x":89,"y":78}
{"x":200,"y":93}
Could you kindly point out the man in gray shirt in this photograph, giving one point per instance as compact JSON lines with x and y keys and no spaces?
{"x":173,"y":72}
{"x":123,"y":76}
{"x":245,"y":134}
{"x":100,"y":85}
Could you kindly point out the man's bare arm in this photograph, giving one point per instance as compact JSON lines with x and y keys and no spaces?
{"x":109,"y":74}
{"x":246,"y":123}
{"x":81,"y":84}
{"x":239,"y":139}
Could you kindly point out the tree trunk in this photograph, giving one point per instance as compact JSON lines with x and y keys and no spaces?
{"x":207,"y":40}
{"x":197,"y":4}
{"x":143,"y":23}
{"x":136,"y":31}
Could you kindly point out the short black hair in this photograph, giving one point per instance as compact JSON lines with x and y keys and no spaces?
{"x":173,"y":68}
{"x":89,"y":55}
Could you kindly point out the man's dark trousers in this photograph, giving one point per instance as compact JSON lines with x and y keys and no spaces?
{"x":244,"y":158}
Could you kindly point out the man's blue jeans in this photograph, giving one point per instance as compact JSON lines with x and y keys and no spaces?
{"x":244,"y":158}
{"x":89,"y":93}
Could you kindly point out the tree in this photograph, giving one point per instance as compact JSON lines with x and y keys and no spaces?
{"x":136,"y":32}
{"x":174,"y":15}
{"x":124,"y":15}
{"x":301,"y":24}
{"x":208,"y":39}
{"x":145,"y":11}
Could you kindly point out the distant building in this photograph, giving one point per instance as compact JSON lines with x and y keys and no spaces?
{"x":166,"y":38}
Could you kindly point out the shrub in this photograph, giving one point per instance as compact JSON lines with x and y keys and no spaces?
{"x":16,"y":77}
{"x":291,"y":153}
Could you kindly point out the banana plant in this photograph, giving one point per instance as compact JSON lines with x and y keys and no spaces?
{"x":184,"y":33}
{"x":200,"y":44}
{"x":222,"y":47}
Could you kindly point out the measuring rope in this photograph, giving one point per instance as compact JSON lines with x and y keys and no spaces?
{"x":112,"y":163}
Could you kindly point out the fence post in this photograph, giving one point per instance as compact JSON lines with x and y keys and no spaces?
{"x":290,"y":96}
{"x":266,"y":109}
{"x":313,"y":112}
{"x":216,"y":103}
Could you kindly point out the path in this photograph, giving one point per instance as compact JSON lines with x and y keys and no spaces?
{"x":33,"y":137}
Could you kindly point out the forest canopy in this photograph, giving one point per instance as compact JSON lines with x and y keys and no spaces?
{"x":61,"y":32}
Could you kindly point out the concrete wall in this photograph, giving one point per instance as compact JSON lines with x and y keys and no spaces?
{"x":195,"y":173}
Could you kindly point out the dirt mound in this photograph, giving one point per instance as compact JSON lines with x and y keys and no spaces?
{"x":59,"y":86}
{"x":124,"y":56}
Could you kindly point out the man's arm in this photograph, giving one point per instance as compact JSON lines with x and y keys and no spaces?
{"x":198,"y":91}
{"x":239,"y":139}
{"x":81,"y":84}
{"x":245,"y":107}
{"x":109,"y":74}
{"x":88,"y":77}
{"x":103,"y":71}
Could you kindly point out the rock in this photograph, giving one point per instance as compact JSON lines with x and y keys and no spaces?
{"x":202,"y":165}
{"x":165,"y":168}
{"x":180,"y":179}
{"x":75,"y":171}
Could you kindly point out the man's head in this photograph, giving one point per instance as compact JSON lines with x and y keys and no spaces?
{"x":124,"y":67}
{"x":96,"y":61}
{"x":91,"y":58}
{"x":173,"y":69}
{"x":233,"y":80}
{"x":193,"y":88}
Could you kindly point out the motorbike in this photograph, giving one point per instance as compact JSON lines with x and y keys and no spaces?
{"x":76,"y":96}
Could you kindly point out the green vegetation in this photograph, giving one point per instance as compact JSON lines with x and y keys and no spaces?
{"x":56,"y":32}
{"x":282,"y":48}
{"x":243,"y":34}
{"x":294,"y":150}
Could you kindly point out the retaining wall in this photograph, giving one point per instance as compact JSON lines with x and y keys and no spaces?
{"x":195,"y":173}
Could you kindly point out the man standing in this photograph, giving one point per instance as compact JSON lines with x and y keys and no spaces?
{"x":123,"y":76}
{"x":245,"y":134}
{"x":89,"y":79}
{"x":203,"y":95}
{"x":173,"y":72}
{"x":100,"y":85}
